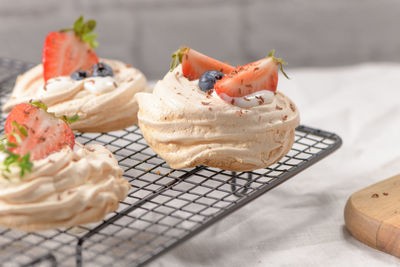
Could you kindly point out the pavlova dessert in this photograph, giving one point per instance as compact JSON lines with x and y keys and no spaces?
{"x":47,"y":180}
{"x":73,"y":80}
{"x":206,"y":112}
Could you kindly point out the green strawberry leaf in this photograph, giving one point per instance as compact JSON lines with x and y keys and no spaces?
{"x":84,"y":31}
{"x":177,"y":57}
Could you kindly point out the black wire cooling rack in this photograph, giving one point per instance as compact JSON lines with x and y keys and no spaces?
{"x":164,"y":207}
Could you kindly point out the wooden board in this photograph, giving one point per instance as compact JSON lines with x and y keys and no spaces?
{"x":372,"y":215}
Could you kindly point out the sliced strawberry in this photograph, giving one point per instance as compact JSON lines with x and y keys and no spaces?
{"x":194,"y":63}
{"x":65,"y":53}
{"x":45,"y":134}
{"x":250,"y":78}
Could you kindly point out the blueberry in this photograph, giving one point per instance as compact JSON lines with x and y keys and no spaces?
{"x":101,"y":70}
{"x":208,"y":79}
{"x":80,"y":75}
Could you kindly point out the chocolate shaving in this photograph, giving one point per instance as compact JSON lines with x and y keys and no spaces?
{"x":292,"y":107}
{"x":278,"y":107}
{"x":260,"y":100}
{"x":205,"y":103}
{"x":284,"y":118}
{"x":374,"y":195}
{"x":233,"y":101}
{"x":256,"y":69}
{"x":246,"y":99}
{"x":385,"y":194}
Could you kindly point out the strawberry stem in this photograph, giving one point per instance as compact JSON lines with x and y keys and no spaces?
{"x":84,"y":30}
{"x":177,"y":57}
{"x":279,"y":61}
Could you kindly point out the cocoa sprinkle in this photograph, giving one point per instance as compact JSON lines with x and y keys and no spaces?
{"x":260,"y":100}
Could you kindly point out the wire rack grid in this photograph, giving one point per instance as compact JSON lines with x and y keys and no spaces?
{"x":164,"y":206}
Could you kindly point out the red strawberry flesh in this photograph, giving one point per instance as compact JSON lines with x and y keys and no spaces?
{"x":194,"y":64}
{"x":250,"y":78}
{"x":65,"y":53}
{"x":46,"y":133}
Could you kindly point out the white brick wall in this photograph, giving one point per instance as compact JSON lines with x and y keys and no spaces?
{"x":146,"y":32}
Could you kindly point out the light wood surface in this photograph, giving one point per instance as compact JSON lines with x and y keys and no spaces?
{"x":372,"y":215}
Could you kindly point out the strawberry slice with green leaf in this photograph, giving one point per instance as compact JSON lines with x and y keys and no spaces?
{"x":69,"y":50}
{"x":30,"y":129}
{"x":194,"y":63}
{"x":253,"y":77}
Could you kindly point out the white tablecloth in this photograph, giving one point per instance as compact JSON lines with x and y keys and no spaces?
{"x":300,"y":223}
